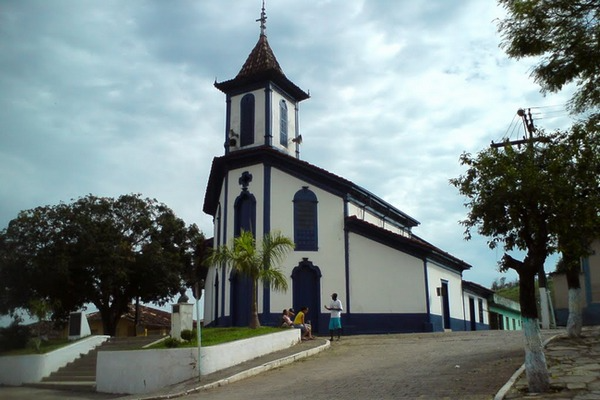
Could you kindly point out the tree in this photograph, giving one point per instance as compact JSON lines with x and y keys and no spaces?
{"x":565,"y":34}
{"x":95,"y":250}
{"x":196,"y":270}
{"x":580,"y":159}
{"x":258,"y":264}
{"x":538,"y":199}
{"x":508,"y":201}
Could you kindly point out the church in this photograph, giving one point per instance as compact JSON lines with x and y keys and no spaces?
{"x":347,"y":240}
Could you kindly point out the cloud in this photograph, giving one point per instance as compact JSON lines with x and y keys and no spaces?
{"x":117,"y":97}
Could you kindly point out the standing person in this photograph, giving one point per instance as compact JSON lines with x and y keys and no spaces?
{"x":335,"y":321}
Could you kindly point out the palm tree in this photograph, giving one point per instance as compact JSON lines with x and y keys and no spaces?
{"x":258,"y":264}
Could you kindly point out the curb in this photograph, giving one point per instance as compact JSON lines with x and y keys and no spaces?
{"x":244,"y":374}
{"x":509,"y":384}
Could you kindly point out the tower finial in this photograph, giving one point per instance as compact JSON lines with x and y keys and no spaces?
{"x":262,"y":19}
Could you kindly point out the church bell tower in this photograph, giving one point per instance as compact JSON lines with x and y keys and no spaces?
{"x":262,"y":103}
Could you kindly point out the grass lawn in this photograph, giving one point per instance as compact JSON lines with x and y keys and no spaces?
{"x":213,"y":336}
{"x":45,"y":347}
{"x":210,"y":337}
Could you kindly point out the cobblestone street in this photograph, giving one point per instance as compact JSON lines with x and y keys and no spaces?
{"x":462,"y":365}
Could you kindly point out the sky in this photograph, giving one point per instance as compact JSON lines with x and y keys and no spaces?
{"x":114,"y":97}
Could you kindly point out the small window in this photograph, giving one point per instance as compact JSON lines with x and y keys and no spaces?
{"x":305,"y":220}
{"x":283,"y":123}
{"x":247,"y":120}
{"x":480,"y":303}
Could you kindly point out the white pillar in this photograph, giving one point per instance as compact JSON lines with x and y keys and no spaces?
{"x":181,"y":319}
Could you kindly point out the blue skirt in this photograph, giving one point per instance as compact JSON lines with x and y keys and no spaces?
{"x":335,"y":323}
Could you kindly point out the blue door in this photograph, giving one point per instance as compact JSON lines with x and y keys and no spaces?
{"x":306,"y":287}
{"x":241,"y":299}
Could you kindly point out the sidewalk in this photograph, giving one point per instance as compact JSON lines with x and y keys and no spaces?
{"x":237,"y":372}
{"x":574,"y":366}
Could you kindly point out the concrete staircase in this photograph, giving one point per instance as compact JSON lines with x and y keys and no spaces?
{"x":80,"y":374}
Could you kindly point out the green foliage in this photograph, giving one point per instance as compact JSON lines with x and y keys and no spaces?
{"x":501,"y":284}
{"x":171,"y":343}
{"x":511,"y":293}
{"x":508,"y":197}
{"x":565,"y":35}
{"x":257,"y":263}
{"x":580,"y":195}
{"x":539,"y":199}
{"x":14,"y":336}
{"x":214,"y":336}
{"x":187,"y":335}
{"x":544,"y":197}
{"x":95,"y":250}
{"x":36,"y":344}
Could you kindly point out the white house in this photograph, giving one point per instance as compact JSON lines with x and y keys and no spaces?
{"x":348,"y":240}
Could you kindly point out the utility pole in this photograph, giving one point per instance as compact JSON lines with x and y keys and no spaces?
{"x":529,"y":130}
{"x":529,"y":140}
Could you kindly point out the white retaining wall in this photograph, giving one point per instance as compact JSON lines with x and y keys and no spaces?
{"x":16,"y":370}
{"x":142,"y":371}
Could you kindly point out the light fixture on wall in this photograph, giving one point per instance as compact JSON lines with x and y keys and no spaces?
{"x":233,"y":138}
{"x":297,"y":139}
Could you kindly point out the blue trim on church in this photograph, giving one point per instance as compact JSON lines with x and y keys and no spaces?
{"x":267,"y":228}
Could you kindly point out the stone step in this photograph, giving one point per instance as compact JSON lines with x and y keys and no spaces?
{"x":66,"y":377}
{"x":80,"y":374}
{"x":80,"y":386}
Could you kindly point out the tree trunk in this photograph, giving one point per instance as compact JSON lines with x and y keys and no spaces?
{"x":575,"y":320}
{"x":254,"y":322}
{"x":136,"y":319}
{"x":538,"y":378}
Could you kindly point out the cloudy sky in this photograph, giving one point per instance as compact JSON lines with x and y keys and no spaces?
{"x":114,"y":97}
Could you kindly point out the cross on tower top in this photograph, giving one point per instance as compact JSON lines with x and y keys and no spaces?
{"x":263,"y":19}
{"x":245,"y":180}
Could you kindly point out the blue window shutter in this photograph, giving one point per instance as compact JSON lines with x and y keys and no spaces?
{"x":283,"y":123}
{"x":305,"y":220}
{"x":247,"y":120}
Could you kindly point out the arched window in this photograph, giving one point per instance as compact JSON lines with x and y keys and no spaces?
{"x":244,"y":214}
{"x":305,"y":220}
{"x":283,"y":123}
{"x":247,"y":120}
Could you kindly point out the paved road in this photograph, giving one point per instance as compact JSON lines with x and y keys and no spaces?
{"x":455,"y":365}
{"x":463,"y":365}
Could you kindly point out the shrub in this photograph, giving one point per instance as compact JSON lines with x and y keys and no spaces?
{"x":172,"y":343}
{"x":187,"y":335}
{"x":14,"y":336}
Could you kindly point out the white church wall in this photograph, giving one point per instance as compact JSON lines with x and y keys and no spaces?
{"x":330,"y":216}
{"x":256,"y":187}
{"x":390,"y":282}
{"x":233,"y":188}
{"x":275,"y":119}
{"x":259,"y":117}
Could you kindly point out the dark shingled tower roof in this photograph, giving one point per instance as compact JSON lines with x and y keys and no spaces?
{"x":260,"y":66}
{"x":261,"y":59}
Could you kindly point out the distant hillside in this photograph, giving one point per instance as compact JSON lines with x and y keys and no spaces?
{"x":511,"y":293}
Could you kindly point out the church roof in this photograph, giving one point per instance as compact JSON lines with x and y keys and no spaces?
{"x":302,"y":170}
{"x":411,"y":245}
{"x":260,"y":66}
{"x":261,"y":59}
